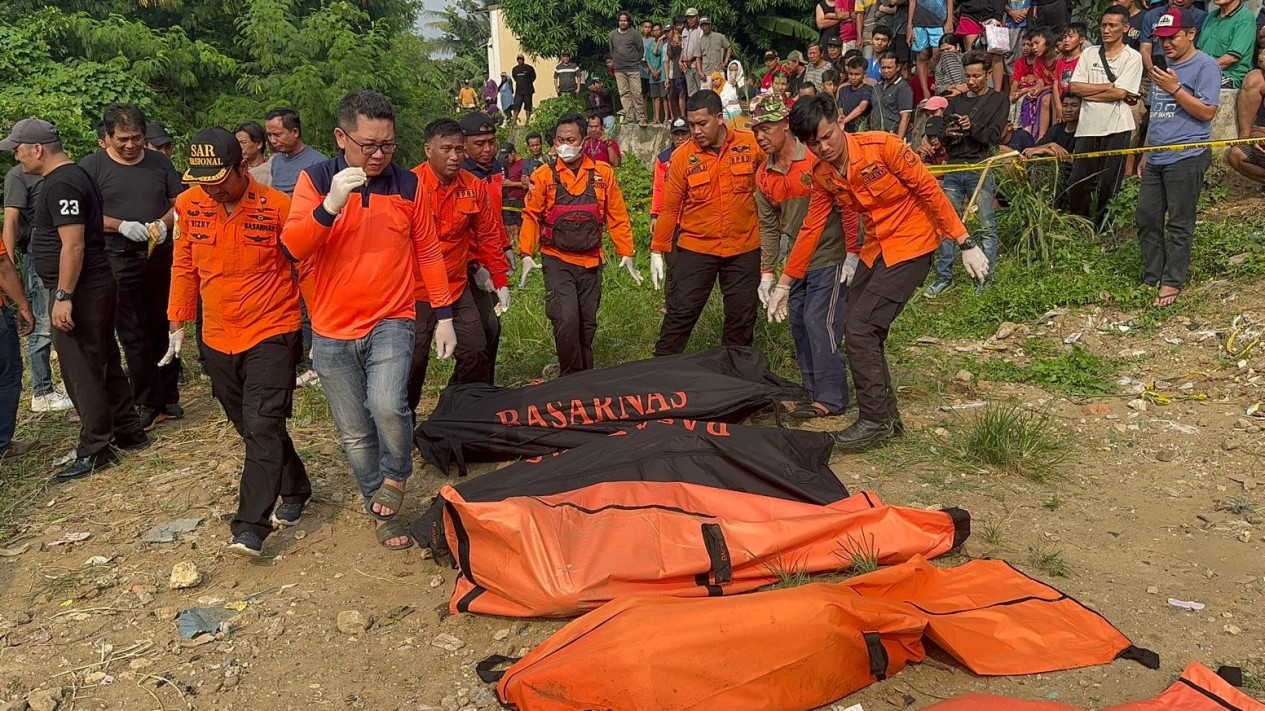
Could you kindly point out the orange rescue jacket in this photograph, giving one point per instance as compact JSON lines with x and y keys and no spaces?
{"x":610,"y":200}
{"x":466,"y":226}
{"x":235,"y":263}
{"x":906,"y":213}
{"x":359,"y":267}
{"x":709,"y":194}
{"x":665,"y":538}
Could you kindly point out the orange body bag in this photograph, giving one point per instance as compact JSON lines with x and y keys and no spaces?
{"x":1198,"y":689}
{"x":561,"y":555}
{"x":790,"y":650}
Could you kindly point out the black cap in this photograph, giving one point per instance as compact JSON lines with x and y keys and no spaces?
{"x":678,"y":125}
{"x":477,"y":124}
{"x":157,"y":134}
{"x":835,"y":41}
{"x":507,"y":147}
{"x":30,"y":130}
{"x":211,"y":154}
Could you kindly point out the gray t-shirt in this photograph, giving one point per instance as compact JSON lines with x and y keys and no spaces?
{"x":627,"y":49}
{"x":711,"y":52}
{"x":890,"y":101}
{"x":19,"y":192}
{"x":286,"y":169}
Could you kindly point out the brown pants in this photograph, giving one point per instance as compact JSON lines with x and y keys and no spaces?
{"x":876,"y":297}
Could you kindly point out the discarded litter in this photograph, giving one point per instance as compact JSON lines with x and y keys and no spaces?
{"x":204,"y":620}
{"x":11,"y":552}
{"x":1175,"y":426}
{"x":1186,"y":604}
{"x":97,"y":560}
{"x":168,"y":531}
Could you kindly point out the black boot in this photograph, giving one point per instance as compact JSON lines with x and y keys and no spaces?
{"x":83,"y":466}
{"x":865,"y":434}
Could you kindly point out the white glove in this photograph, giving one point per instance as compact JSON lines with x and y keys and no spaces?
{"x":175,"y":340}
{"x":483,"y":280}
{"x":779,"y":303}
{"x":162,"y":230}
{"x":850,"y":268}
{"x":502,"y":300}
{"x":509,"y":257}
{"x":766,"y":286}
{"x":528,"y":265}
{"x":658,"y":270}
{"x":134,"y":231}
{"x":445,"y":338}
{"x":345,"y":181}
{"x":975,"y":264}
{"x":631,"y":265}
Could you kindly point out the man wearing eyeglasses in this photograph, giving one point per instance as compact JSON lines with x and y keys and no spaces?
{"x":359,"y":226}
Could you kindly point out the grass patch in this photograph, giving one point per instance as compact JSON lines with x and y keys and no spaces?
{"x":858,"y":554}
{"x":789,"y":574}
{"x":1052,"y":504}
{"x":1074,"y":372}
{"x":1049,"y":560}
{"x":1011,"y":439}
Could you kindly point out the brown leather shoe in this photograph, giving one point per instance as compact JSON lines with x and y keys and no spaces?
{"x":17,"y":449}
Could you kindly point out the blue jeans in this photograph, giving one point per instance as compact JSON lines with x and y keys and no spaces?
{"x":817,"y":305}
{"x":10,"y":376}
{"x":365,"y":382}
{"x":959,"y":187}
{"x":39,"y":345}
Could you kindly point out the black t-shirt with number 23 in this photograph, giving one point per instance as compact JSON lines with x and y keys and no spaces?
{"x":67,"y":196}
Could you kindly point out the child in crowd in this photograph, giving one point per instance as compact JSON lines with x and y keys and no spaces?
{"x":880,"y":41}
{"x":926,"y":30}
{"x":1033,"y":81}
{"x":950,"y":75}
{"x":973,"y":16}
{"x":781,"y":85}
{"x":1069,"y":54}
{"x":855,"y":97}
{"x":830,"y":82}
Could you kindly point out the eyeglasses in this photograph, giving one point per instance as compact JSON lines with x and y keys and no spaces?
{"x":368,"y":149}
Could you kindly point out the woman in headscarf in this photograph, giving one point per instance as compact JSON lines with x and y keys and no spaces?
{"x":728,"y":97}
{"x":507,"y":93}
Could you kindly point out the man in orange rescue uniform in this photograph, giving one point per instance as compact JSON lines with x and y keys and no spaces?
{"x":468,"y":231}
{"x":361,"y":230}
{"x":228,"y":252}
{"x":570,"y":201}
{"x":905,"y":214}
{"x":708,"y":193}
{"x":679,"y":130}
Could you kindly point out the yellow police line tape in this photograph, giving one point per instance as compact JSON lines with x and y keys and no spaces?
{"x":1015,"y":157}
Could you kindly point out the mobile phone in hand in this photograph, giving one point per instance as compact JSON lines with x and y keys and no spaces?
{"x":1160,"y":62}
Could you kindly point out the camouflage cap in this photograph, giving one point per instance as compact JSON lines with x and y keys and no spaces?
{"x":768,"y":108}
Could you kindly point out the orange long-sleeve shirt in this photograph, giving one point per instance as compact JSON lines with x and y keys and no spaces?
{"x":906,"y":213}
{"x":467,"y":228}
{"x":236,"y":264}
{"x":661,"y":163}
{"x":782,"y":199}
{"x":610,"y":200}
{"x":709,"y":194}
{"x":359,"y":265}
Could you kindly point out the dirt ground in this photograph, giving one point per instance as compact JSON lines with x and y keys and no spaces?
{"x":1150,"y":505}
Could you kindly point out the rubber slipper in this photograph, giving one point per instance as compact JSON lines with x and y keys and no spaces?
{"x":810,"y":411}
{"x":393,"y":529}
{"x":387,"y":497}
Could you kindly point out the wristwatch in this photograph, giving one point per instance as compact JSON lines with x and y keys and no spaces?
{"x":967,"y":243}
{"x":62,"y":295}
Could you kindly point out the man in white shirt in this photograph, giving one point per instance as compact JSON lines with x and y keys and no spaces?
{"x":1106,"y":78}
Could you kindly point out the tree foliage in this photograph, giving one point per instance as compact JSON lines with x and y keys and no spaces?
{"x":194,"y":63}
{"x":546,"y":27}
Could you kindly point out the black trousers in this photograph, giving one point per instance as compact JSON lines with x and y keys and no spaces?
{"x":144,"y":284}
{"x":91,"y":366}
{"x":572,"y":297}
{"x":472,"y":359}
{"x":1095,"y":180}
{"x":256,"y":389}
{"x":877,"y":295}
{"x":486,"y":303}
{"x":689,"y":287}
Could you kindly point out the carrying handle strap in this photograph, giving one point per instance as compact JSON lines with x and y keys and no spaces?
{"x":1231,"y":675}
{"x":1142,"y":656}
{"x":878,"y":654}
{"x":487,"y":669}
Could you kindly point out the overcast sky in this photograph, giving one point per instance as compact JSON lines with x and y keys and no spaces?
{"x":429,"y":5}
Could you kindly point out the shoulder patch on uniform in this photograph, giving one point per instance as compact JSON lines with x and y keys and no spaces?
{"x":693,"y":160}
{"x":805,"y":179}
{"x":742,"y":149}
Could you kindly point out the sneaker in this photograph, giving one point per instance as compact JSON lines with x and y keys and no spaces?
{"x":247,"y":544}
{"x":288,"y":514}
{"x":52,"y":402}
{"x":149,"y":416}
{"x":309,"y":378}
{"x":937,"y":288}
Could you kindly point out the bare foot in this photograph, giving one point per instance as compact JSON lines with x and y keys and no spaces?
{"x":1167,"y":297}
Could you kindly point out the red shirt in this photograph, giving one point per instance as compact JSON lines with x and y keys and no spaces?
{"x":602,"y":149}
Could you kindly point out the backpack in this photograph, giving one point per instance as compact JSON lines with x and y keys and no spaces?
{"x":574,"y":222}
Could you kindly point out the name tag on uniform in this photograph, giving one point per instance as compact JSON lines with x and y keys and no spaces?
{"x":873,"y":172}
